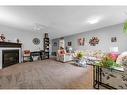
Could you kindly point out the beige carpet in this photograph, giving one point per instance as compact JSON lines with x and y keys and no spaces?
{"x":46,"y":74}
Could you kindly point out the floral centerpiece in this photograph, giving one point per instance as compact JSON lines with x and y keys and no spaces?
{"x":79,"y":58}
{"x":79,"y":55}
{"x":108,"y":62}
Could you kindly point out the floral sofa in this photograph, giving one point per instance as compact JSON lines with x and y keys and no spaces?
{"x":90,"y":54}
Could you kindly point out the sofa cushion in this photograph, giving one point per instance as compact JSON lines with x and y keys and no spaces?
{"x":95,"y":53}
{"x":122,"y":58}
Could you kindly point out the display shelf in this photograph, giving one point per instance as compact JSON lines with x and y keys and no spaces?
{"x":46,"y":46}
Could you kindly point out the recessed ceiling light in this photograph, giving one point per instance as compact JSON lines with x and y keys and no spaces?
{"x":93,"y":20}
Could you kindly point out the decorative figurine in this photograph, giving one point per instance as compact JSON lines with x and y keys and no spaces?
{"x":17,"y":40}
{"x":2,"y":38}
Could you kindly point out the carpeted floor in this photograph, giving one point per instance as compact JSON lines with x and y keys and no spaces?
{"x":46,"y":74}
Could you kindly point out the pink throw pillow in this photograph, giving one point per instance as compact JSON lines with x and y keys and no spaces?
{"x":114,"y":56}
{"x":62,"y":52}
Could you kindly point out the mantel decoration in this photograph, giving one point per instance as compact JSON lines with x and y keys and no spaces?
{"x":2,"y":38}
{"x":94,"y":41}
{"x":17,"y":40}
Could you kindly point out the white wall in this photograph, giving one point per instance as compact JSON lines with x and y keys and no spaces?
{"x":104,"y":34}
{"x":25,"y":37}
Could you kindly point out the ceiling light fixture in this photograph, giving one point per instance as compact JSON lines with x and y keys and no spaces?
{"x":38,"y":27}
{"x":93,"y":20}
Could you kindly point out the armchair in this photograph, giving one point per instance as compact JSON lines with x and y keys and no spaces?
{"x":63,"y":56}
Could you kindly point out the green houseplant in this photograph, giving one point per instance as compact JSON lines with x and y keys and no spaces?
{"x":125,"y":27}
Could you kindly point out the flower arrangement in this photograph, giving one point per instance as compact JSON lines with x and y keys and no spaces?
{"x":79,"y":55}
{"x":108,"y":62}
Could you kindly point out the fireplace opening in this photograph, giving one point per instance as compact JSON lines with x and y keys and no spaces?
{"x":10,"y":57}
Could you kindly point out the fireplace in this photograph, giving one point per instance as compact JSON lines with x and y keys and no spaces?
{"x":10,"y":54}
{"x":10,"y":57}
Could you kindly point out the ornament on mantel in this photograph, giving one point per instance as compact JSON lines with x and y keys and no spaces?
{"x":17,"y":40}
{"x":2,"y":38}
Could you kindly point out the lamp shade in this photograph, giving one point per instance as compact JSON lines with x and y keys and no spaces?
{"x":70,"y":48}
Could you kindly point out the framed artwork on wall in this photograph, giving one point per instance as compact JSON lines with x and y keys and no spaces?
{"x":81,"y":41}
{"x":94,"y":41}
{"x":69,"y":43}
{"x":55,"y":44}
{"x":113,"y":39}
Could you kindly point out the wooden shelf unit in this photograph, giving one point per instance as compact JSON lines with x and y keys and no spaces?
{"x":46,"y":47}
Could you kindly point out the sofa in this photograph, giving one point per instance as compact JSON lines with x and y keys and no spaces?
{"x":93,"y":55}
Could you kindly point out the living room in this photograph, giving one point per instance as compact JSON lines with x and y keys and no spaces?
{"x":58,"y":47}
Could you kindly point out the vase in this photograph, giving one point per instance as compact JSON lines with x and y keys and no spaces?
{"x":81,"y":62}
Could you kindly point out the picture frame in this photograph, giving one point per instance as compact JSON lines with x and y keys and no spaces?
{"x":81,"y":41}
{"x":55,"y":44}
{"x":113,"y":39}
{"x":69,"y":44}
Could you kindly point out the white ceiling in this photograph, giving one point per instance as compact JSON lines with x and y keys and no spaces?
{"x":61,"y":21}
